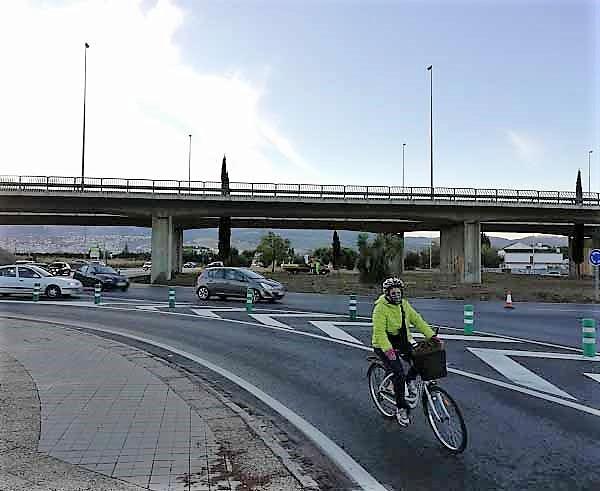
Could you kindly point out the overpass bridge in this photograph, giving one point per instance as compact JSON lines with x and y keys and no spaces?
{"x":169,"y":207}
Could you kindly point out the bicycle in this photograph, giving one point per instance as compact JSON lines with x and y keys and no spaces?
{"x":438,"y":406}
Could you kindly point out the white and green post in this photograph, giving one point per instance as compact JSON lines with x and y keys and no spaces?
{"x":97,"y":290}
{"x":352,"y":307}
{"x":171,"y":298}
{"x":468,"y":319}
{"x":588,"y":327}
{"x":36,"y":292}
{"x":249,"y":300}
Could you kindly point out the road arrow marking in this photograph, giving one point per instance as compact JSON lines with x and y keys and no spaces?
{"x":331,"y":329}
{"x":267,"y":319}
{"x":593,"y":376}
{"x":499,"y":360}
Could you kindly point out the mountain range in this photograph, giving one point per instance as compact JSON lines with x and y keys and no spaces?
{"x":302,"y":240}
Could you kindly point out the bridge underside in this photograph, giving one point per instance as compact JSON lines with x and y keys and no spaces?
{"x":459,"y":223}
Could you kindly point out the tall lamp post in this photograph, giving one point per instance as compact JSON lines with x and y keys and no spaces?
{"x":190,"y":166}
{"x":403,"y":145}
{"x":590,"y":171}
{"x":430,"y":70}
{"x":84,"y":97}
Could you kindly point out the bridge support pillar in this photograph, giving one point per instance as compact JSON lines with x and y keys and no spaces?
{"x":162,"y":248}
{"x":177,"y":250}
{"x":460,"y":251}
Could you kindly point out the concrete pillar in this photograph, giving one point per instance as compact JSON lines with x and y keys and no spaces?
{"x":460,"y":252}
{"x":572,"y":265}
{"x":401,"y":235}
{"x":161,"y":248}
{"x":177,"y":250}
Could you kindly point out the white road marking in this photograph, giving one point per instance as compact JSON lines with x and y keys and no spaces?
{"x":332,"y":330}
{"x":267,"y":319}
{"x":343,"y":460}
{"x":499,"y":360}
{"x":150,"y":308}
{"x":211,"y":312}
{"x":593,"y":376}
{"x":540,"y":395}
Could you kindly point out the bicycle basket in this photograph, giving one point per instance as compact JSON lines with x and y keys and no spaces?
{"x":430,"y":365}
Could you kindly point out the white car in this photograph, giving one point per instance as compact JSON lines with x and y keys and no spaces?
{"x":20,"y":279}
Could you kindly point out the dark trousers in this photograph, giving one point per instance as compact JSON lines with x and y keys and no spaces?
{"x":399,"y":378}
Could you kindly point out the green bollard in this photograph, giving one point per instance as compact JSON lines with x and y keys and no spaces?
{"x":468,"y":319}
{"x":36,"y":292}
{"x":352,"y":307}
{"x":97,"y":297}
{"x":171,"y":298}
{"x":249,"y":300}
{"x":588,"y":327}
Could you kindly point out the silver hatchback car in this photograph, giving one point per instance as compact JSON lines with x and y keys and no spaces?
{"x":234,"y":282}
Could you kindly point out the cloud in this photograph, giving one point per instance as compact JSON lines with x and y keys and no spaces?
{"x":143,"y":99}
{"x":525,"y":147}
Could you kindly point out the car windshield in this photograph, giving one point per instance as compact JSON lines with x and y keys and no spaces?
{"x":40,"y":271}
{"x":104,"y":270}
{"x":253,"y":275}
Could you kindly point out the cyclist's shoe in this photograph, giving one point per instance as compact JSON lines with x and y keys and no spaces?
{"x":413,"y":390}
{"x":402,"y":417}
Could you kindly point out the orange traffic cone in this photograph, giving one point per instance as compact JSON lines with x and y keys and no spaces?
{"x":508,"y":304}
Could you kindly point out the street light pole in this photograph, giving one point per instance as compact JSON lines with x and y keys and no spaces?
{"x":190,"y":166}
{"x":590,"y":171}
{"x":403,"y":145}
{"x":430,"y":70}
{"x":84,"y":97}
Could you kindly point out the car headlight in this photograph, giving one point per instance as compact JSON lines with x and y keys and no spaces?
{"x":74,"y":284}
{"x":266,"y":286}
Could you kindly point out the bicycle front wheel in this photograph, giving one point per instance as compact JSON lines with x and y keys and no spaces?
{"x":381,"y":390}
{"x":445,"y":419}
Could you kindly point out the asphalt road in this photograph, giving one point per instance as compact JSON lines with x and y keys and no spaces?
{"x":517,"y":440}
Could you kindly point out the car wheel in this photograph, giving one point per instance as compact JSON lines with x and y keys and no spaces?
{"x":203,"y":293}
{"x":53,"y":292}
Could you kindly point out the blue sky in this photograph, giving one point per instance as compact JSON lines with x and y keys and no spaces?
{"x":311,"y":91}
{"x":514,"y":100}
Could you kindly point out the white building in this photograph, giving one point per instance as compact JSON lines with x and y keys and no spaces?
{"x":534,"y":259}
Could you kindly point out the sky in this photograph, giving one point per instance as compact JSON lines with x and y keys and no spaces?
{"x":304,"y":91}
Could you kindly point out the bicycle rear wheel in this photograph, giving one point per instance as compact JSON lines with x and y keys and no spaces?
{"x":381,"y":390}
{"x":445,"y":419}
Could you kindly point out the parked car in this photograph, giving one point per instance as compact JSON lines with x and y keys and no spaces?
{"x":21,"y":278}
{"x":234,"y":282}
{"x":190,"y":265}
{"x":215,"y":264}
{"x":147,"y":265}
{"x":59,"y":268}
{"x":108,"y":278}
{"x":78,"y":264}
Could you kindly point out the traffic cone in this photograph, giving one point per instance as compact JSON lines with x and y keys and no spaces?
{"x":508,"y":304}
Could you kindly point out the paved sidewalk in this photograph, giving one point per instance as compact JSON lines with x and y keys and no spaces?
{"x":82,"y":412}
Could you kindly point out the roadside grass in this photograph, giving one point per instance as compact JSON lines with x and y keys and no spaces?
{"x":427,"y":284}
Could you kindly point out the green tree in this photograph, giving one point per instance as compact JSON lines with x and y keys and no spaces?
{"x":225,"y":222}
{"x":485,"y":241}
{"x":323,"y":255}
{"x":490,"y":257}
{"x":380,"y":258}
{"x":411,"y":260}
{"x":348,"y":258}
{"x":336,"y":250}
{"x":274,"y":248}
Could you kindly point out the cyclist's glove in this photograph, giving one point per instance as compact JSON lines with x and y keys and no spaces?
{"x":391,"y":354}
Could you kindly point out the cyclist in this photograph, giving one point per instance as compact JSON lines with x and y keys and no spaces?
{"x":392,"y":317}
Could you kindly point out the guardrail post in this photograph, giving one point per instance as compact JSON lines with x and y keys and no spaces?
{"x":48,"y":183}
{"x":97,"y":290}
{"x":352,"y":307}
{"x":36,"y":292}
{"x":588,"y":327}
{"x":321,"y":191}
{"x":171,"y":297}
{"x":468,"y":310}
{"x":249,"y":300}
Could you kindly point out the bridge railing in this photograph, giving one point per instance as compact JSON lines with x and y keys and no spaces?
{"x":291,"y":191}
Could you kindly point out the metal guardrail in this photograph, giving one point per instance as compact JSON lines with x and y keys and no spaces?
{"x":245,"y":189}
